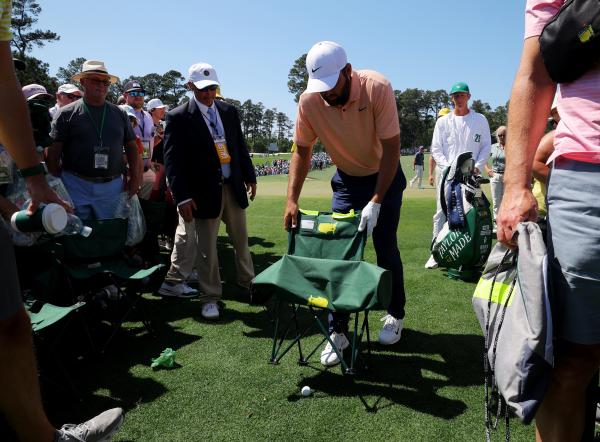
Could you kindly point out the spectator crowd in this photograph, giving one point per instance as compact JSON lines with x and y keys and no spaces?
{"x":319,"y":161}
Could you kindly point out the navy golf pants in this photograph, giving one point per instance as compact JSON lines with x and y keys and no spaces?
{"x":351,"y":192}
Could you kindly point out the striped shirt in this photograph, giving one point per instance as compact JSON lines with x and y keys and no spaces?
{"x":578,"y":133}
{"x":5,"y":16}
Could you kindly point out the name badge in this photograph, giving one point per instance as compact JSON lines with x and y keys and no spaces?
{"x":146,"y":152}
{"x":222,"y":152}
{"x":100,"y":157}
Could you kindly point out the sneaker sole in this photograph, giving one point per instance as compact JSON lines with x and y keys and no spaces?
{"x":164,"y":292}
{"x":390,"y":343}
{"x":330,"y":364}
{"x":211,"y":318}
{"x":333,"y":364}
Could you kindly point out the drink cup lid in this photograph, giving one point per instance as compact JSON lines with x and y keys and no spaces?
{"x":54,"y":218}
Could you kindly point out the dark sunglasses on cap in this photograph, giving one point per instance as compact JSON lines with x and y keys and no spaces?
{"x":212,"y":87}
{"x":137,"y":93}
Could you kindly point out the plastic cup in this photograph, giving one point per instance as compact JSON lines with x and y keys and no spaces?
{"x":51,"y":218}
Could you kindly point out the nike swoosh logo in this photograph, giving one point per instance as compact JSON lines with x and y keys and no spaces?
{"x":315,"y":70}
{"x":360,"y":109}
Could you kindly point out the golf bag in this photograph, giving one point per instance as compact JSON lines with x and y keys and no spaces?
{"x":465,"y":241}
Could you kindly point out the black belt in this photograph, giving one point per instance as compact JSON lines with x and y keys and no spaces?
{"x":94,"y":179}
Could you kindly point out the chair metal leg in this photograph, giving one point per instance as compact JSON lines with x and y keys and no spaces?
{"x":325,"y":332}
{"x":277,"y":354}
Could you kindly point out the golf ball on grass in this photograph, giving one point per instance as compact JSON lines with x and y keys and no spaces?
{"x":306,"y":391}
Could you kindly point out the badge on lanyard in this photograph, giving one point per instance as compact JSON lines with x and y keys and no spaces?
{"x":146,"y":152}
{"x":101,"y":157}
{"x":222,"y":152}
{"x":100,"y":152}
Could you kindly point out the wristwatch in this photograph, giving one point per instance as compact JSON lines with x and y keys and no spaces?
{"x":38,"y":169}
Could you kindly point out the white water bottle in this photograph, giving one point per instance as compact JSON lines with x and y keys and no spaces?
{"x":76,"y":227}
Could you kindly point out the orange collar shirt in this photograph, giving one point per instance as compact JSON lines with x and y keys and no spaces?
{"x":351,"y":133}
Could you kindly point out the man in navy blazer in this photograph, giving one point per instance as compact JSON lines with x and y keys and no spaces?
{"x":210,"y":173}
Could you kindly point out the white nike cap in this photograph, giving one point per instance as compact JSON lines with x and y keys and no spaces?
{"x":324,"y":62}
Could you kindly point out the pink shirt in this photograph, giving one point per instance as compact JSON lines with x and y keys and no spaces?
{"x":578,"y":133}
{"x":351,"y":133}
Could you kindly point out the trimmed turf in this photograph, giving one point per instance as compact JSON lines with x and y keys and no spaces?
{"x":428,"y":387}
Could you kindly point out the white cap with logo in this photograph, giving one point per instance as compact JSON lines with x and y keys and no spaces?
{"x":203,"y":75}
{"x":69,"y":88}
{"x":130,"y":111}
{"x":155,"y":103}
{"x":324,"y":62}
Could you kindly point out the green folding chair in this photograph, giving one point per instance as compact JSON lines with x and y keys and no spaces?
{"x":92,"y":262}
{"x":323,"y":271}
{"x":48,"y":324}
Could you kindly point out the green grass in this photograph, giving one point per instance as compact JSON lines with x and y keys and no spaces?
{"x":428,"y":387}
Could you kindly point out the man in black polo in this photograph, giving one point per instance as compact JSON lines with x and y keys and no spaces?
{"x":89,"y":137}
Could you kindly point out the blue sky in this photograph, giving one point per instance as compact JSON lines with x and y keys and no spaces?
{"x":252,"y":44}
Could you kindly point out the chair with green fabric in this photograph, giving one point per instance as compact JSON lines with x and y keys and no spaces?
{"x":324,"y":271}
{"x":44,"y":316}
{"x":93,"y":262}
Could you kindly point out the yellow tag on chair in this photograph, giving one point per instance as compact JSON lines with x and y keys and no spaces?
{"x":318,"y":301}
{"x":326,"y":228}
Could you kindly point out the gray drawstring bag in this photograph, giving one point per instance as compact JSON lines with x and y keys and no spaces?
{"x":512,"y":306}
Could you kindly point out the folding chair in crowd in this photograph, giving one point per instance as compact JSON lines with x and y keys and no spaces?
{"x":323,"y":270}
{"x":44,"y":316}
{"x":98,"y":260}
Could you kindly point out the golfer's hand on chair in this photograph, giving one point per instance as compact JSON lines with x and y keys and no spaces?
{"x":368,"y":218}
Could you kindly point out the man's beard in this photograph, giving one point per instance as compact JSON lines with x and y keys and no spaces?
{"x":343,"y":98}
{"x":340,"y":100}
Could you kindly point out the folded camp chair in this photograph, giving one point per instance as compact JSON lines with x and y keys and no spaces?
{"x":44,"y":315}
{"x":93,"y":261}
{"x":323,"y":270}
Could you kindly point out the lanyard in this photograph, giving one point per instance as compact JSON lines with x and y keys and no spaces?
{"x":143,"y":124}
{"x":214,"y":130}
{"x":98,"y":130}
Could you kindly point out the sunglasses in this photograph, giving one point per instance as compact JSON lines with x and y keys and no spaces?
{"x":72,"y":96}
{"x":137,"y":93}
{"x":209,"y":88}
{"x":99,"y":81}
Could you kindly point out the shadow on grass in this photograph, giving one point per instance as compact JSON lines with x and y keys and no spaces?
{"x":103,"y":382}
{"x":410,"y":374}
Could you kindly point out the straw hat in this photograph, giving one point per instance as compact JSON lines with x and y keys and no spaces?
{"x":94,"y":67}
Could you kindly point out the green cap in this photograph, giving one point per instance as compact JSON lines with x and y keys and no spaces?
{"x":459,"y":87}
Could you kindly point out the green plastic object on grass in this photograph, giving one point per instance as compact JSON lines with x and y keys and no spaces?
{"x":166,"y":359}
